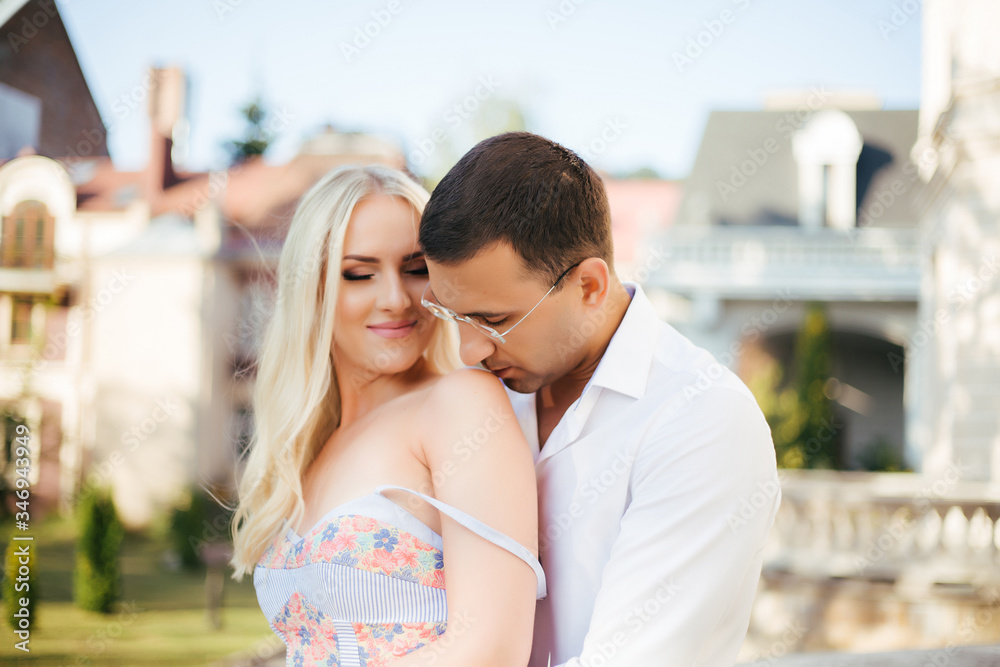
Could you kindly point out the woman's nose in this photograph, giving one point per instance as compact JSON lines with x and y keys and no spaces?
{"x":393,"y":295}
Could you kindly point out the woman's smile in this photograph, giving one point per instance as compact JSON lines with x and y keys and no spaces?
{"x":394,"y":329}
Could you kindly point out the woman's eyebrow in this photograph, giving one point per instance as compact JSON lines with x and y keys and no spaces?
{"x":374,"y":260}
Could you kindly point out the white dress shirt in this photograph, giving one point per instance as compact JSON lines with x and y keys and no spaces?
{"x":656,"y":489}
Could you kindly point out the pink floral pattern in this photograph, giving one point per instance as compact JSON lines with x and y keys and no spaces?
{"x":381,"y":643}
{"x":364,"y":543}
{"x":308,"y":633}
{"x":368,"y":544}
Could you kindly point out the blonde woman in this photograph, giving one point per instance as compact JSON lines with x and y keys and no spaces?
{"x":388,"y":508}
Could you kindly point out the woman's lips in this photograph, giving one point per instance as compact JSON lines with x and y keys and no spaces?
{"x":397,"y":329}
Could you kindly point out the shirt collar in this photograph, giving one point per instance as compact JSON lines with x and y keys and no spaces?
{"x":625,"y":366}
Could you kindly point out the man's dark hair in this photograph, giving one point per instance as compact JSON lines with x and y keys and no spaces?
{"x":524,"y":190}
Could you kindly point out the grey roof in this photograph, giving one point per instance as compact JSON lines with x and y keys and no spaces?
{"x":770,"y":195}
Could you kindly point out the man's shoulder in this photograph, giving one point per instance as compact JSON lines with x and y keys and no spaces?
{"x":686,"y":370}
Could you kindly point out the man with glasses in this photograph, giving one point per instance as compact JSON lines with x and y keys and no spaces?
{"x":645,"y":470}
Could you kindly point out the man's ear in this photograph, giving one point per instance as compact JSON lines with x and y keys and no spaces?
{"x":594,"y":277}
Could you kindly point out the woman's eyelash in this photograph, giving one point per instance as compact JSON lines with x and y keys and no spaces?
{"x":365,"y":276}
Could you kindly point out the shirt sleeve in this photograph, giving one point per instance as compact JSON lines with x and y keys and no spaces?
{"x":682,"y":575}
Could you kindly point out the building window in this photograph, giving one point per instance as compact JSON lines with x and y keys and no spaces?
{"x":825,"y":196}
{"x":27,"y":241}
{"x":20,"y":321}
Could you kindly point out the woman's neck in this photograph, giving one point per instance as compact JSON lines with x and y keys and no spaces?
{"x":360,"y":393}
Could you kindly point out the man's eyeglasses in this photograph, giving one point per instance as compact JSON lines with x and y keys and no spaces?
{"x":448,"y":314}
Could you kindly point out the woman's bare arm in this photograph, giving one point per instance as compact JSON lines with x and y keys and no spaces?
{"x":481,"y":464}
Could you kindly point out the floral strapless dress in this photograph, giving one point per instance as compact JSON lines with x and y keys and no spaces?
{"x":366,"y":584}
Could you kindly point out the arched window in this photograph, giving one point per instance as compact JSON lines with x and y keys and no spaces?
{"x":28,"y":237}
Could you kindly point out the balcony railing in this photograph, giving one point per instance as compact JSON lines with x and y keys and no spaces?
{"x":756,"y":261}
{"x":918,"y":531}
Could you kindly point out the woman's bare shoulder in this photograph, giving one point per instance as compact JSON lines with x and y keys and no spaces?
{"x":466,"y":388}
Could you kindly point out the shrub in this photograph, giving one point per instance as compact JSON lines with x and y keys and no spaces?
{"x":195,"y":522}
{"x":96,"y":584}
{"x":800,"y":412}
{"x":880,"y":455}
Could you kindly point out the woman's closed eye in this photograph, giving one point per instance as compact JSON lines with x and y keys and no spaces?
{"x":417,"y":268}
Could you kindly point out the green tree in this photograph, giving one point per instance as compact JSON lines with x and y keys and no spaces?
{"x":819,"y":434}
{"x":256,"y":137}
{"x":96,"y":583}
{"x":800,"y":413}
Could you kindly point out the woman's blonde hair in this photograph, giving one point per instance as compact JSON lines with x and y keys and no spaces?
{"x":296,"y":402}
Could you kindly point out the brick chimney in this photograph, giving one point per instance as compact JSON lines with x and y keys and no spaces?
{"x":166,"y":103}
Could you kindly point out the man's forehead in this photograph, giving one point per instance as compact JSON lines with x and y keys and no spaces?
{"x":488,"y":280}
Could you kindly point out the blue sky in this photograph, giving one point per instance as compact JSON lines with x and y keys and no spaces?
{"x":575,"y":67}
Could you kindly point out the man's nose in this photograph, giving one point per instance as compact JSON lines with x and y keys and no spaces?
{"x":473,"y":346}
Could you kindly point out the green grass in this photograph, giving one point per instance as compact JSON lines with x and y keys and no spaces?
{"x":161,"y":619}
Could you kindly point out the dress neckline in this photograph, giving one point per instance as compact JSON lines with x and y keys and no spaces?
{"x":295,"y":538}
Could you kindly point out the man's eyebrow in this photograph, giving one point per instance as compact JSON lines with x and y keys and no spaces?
{"x":374,"y":260}
{"x":489,"y":315}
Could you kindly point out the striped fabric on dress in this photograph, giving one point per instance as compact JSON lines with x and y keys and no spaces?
{"x":365,"y":584}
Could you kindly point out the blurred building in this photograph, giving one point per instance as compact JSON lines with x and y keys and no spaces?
{"x":810,"y":199}
{"x":130,"y":302}
{"x":640,"y":207}
{"x":891,"y":219}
